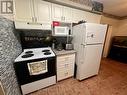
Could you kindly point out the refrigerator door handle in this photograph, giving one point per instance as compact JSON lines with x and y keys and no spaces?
{"x":91,"y":36}
{"x":83,"y":44}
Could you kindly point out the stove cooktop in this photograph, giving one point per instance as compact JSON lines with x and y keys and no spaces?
{"x":35,"y":53}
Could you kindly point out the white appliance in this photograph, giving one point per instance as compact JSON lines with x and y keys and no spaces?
{"x":35,"y":69}
{"x":61,"y":31}
{"x":88,"y":40}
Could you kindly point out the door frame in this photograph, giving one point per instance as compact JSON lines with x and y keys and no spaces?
{"x":107,"y":42}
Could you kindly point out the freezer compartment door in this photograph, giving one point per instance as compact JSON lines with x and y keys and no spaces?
{"x":95,"y":33}
{"x":90,"y":62}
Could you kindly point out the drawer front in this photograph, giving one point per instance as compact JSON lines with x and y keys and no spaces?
{"x":65,"y":67}
{"x":64,"y":64}
{"x":63,"y":74}
{"x":66,"y":59}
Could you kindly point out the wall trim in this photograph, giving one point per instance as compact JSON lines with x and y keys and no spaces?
{"x":115,"y":17}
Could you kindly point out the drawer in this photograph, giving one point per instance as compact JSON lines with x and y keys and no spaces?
{"x":66,"y":57}
{"x":65,"y":66}
{"x":64,"y":74}
{"x":61,"y":60}
{"x":62,"y":64}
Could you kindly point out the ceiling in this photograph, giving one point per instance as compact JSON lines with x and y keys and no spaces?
{"x":115,"y":7}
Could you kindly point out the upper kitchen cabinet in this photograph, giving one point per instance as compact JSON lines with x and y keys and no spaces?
{"x":24,"y":10}
{"x":42,"y":11}
{"x":32,"y":14}
{"x":57,"y":12}
{"x":61,"y":13}
{"x":67,"y":14}
{"x":78,"y":15}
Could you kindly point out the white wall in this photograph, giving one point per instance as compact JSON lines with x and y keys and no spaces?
{"x":113,"y":22}
{"x":119,"y":26}
{"x":122,"y":30}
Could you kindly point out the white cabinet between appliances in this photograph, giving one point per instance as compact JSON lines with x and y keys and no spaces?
{"x":61,"y":13}
{"x":33,"y":14}
{"x":78,"y":15}
{"x":65,"y":66}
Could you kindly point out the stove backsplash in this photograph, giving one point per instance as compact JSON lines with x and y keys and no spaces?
{"x":37,"y":38}
{"x":34,"y":38}
{"x":38,"y":33}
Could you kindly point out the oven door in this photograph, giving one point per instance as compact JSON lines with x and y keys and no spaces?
{"x":36,"y":68}
{"x":33,"y":70}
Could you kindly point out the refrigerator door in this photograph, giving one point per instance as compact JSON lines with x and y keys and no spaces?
{"x":95,"y":33}
{"x":89,"y":64}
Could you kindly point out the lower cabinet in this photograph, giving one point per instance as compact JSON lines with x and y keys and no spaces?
{"x":65,"y":66}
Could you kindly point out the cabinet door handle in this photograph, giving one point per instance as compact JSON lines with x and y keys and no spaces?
{"x":32,"y":19}
{"x":66,"y":65}
{"x":64,"y":18}
{"x":35,"y":19}
{"x":66,"y":73}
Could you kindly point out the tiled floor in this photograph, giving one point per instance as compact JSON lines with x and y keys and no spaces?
{"x":112,"y":80}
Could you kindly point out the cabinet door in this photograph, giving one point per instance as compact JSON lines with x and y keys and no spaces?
{"x":42,"y":11}
{"x":67,"y":14}
{"x":65,"y":66}
{"x":23,"y":10}
{"x":57,"y":12}
{"x":77,"y":15}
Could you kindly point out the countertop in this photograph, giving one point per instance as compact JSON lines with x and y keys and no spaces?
{"x":62,"y":52}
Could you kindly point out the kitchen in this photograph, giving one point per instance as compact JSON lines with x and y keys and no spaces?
{"x":34,"y":38}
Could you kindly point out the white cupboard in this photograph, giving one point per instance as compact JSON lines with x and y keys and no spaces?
{"x":32,"y":14}
{"x":42,"y":11}
{"x":24,"y":10}
{"x":32,"y":11}
{"x":37,"y":14}
{"x":61,"y":13}
{"x":65,"y":66}
{"x":67,"y":14}
{"x":78,"y":15}
{"x":57,"y":12}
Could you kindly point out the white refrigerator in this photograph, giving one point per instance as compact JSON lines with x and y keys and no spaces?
{"x":88,"y":40}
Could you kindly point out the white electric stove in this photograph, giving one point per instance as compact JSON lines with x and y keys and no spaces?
{"x":35,"y":53}
{"x":35,"y":69}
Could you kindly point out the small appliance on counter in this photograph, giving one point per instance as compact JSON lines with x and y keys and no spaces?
{"x":69,"y":46}
{"x":35,"y":67}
